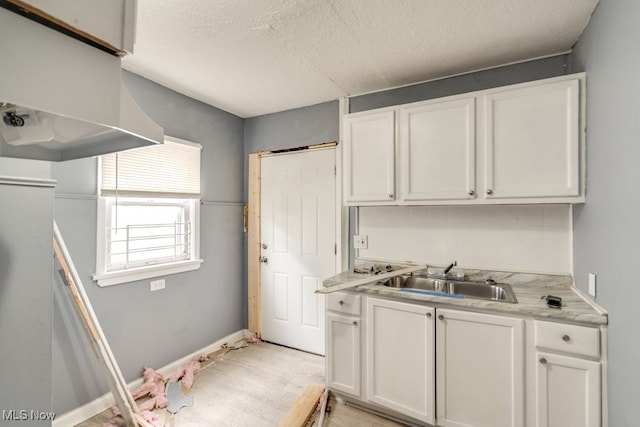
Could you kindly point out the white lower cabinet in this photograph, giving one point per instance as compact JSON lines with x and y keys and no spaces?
{"x":453,"y":368}
{"x":479,"y":370}
{"x":567,"y":391}
{"x":566,"y":376}
{"x":343,"y":344}
{"x":400,"y":357}
{"x":343,"y":354}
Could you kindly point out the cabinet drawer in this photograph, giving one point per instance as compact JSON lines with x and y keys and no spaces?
{"x":572,"y":339}
{"x":343,"y":302}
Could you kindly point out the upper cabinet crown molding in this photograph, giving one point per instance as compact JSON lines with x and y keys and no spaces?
{"x":106,"y":25}
{"x":514,"y":144}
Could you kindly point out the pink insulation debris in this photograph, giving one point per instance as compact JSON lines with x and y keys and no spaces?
{"x":186,"y":372}
{"x":254,"y":339}
{"x":152,"y":386}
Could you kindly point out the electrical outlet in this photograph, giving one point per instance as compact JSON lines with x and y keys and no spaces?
{"x":360,"y":242}
{"x":156,"y":285}
{"x":592,"y":284}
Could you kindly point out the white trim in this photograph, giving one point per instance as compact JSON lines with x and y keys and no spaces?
{"x":220,"y":203}
{"x":76,"y":196}
{"x":88,"y":410}
{"x":342,"y":211}
{"x":147,"y":272}
{"x":28,"y":182}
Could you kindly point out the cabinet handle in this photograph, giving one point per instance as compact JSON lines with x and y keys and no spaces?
{"x":429,"y":315}
{"x":441,"y":316}
{"x":471,"y":192}
{"x":341,"y":302}
{"x":566,"y":338}
{"x":355,"y":323}
{"x":489,"y":191}
{"x":391,"y":195}
{"x":543,"y":360}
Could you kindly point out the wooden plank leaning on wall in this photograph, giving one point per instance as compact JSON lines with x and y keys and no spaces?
{"x":253,"y":246}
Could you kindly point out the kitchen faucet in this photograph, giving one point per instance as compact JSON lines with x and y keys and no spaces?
{"x":449,"y":267}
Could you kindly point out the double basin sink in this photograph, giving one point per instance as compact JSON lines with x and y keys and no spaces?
{"x":488,"y":290}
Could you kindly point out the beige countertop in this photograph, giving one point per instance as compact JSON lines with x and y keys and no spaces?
{"x":530,"y":290}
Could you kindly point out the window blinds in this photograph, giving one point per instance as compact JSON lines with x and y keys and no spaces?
{"x":170,"y":170}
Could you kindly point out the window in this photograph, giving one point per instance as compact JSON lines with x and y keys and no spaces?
{"x":148,"y":212}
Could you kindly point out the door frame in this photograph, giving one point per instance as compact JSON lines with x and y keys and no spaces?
{"x":253,"y":230}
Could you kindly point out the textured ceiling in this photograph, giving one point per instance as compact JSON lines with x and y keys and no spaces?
{"x":253,"y":57}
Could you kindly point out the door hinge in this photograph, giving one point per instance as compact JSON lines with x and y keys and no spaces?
{"x":335,"y":170}
{"x":335,"y":249}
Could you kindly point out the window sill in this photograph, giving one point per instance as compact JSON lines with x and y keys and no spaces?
{"x":142,"y":273}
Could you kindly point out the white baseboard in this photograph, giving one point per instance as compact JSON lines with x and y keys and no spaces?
{"x":88,"y":410}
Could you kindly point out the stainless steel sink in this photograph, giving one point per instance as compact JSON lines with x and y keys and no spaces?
{"x":476,"y":290}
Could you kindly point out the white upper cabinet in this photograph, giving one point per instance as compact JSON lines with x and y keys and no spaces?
{"x":369,"y":157}
{"x":515,"y":144}
{"x":112,"y":21}
{"x":533,"y":141}
{"x":437,"y":150}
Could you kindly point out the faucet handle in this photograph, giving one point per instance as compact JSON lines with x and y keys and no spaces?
{"x":449,"y":267}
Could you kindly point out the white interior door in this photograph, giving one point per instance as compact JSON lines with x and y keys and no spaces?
{"x":297,"y":245}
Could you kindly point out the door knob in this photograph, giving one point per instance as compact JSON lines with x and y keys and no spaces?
{"x":489,"y":191}
{"x":263,"y":259}
{"x":264,"y":246}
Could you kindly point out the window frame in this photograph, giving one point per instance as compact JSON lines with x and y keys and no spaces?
{"x":137,"y":273}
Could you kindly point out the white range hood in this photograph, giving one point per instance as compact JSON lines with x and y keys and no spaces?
{"x":62,"y":99}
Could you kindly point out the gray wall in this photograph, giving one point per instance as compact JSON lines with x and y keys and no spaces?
{"x":26,"y":267}
{"x":495,"y":77}
{"x":311,"y":125}
{"x":196,"y":308}
{"x":606,"y":226}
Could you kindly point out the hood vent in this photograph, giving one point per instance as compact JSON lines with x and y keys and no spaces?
{"x":61,"y":99}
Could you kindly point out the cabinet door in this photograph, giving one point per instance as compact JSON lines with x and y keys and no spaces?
{"x":567,"y":391}
{"x":480,"y":370}
{"x":533,"y":141}
{"x":437,"y":150}
{"x":400,"y":357}
{"x":343,"y":353}
{"x":369,"y":157}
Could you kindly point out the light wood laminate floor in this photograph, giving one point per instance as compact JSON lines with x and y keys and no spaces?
{"x":255,"y":386}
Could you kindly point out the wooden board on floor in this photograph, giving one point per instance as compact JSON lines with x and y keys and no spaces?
{"x":304,"y":408}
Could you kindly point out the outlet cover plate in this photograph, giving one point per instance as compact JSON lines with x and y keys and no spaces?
{"x":156,"y":285}
{"x":360,"y":242}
